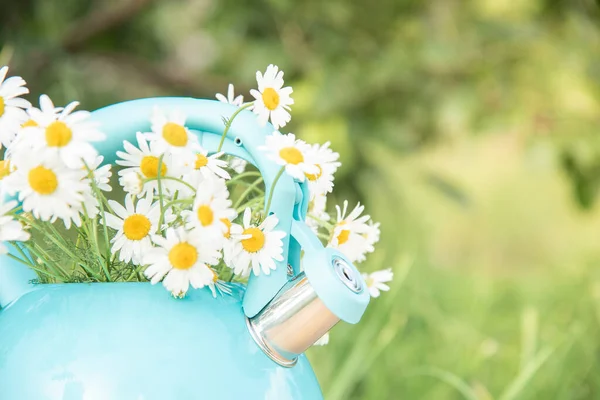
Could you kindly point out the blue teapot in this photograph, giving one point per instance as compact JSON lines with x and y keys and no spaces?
{"x":132,"y":341}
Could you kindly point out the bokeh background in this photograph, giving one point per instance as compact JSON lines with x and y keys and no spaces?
{"x":470,"y":129}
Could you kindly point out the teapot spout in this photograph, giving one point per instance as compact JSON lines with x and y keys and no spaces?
{"x":292,"y":322}
{"x":308,"y":306}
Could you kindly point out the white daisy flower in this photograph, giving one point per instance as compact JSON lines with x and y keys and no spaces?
{"x":317,"y":211}
{"x":258,"y":247}
{"x":10,"y":230}
{"x":144,"y":161}
{"x":171,"y":135}
{"x":67,"y":134}
{"x":12,"y":107}
{"x":238,"y":165}
{"x":230,"y":99}
{"x":206,"y":166}
{"x":272,"y":99}
{"x":211,"y":207}
{"x":101,"y":174}
{"x":290,"y":152}
{"x":47,"y":107}
{"x":135,"y":225}
{"x":376,"y":281}
{"x":348,"y":233}
{"x":132,"y":183}
{"x":326,"y":162}
{"x":183,"y":259}
{"x":323,"y":340}
{"x":47,"y":188}
{"x":371,"y":235}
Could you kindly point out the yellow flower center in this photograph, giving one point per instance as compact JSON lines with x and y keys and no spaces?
{"x":4,"y":169}
{"x":183,"y":256}
{"x":270,"y":98}
{"x":343,"y":236}
{"x":215,"y":276}
{"x":291,"y":155}
{"x":42,"y":180}
{"x":228,"y":224}
{"x":175,"y":134}
{"x":1,"y":106}
{"x":255,"y":242}
{"x":136,"y":227}
{"x":149,"y":167}
{"x":201,"y":161}
{"x":205,"y":215}
{"x":29,"y":123}
{"x":58,"y":134}
{"x":312,"y":177}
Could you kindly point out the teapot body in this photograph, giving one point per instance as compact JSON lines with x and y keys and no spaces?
{"x":132,"y":341}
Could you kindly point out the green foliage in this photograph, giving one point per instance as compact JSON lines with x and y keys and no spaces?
{"x":467,"y":128}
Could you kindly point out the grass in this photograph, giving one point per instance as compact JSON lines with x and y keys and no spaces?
{"x":498,"y":299}
{"x":447,"y":335}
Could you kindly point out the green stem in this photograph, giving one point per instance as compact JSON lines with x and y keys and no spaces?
{"x":268,"y":207}
{"x":177,"y":201}
{"x":97,"y":244}
{"x":51,"y":233}
{"x":111,"y":265}
{"x":251,"y":203}
{"x":22,"y":252}
{"x":57,"y":235}
{"x":247,"y":192}
{"x":87,"y":237}
{"x":242,"y":176}
{"x":230,"y":121}
{"x":46,"y":259}
{"x":15,"y":210}
{"x":92,"y":234}
{"x":134,"y":271}
{"x":170,"y":178}
{"x":100,"y":197}
{"x":33,"y":267}
{"x":19,"y":259}
{"x":90,"y":271}
{"x":108,"y":207}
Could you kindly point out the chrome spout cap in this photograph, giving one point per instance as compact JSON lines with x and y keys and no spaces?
{"x":337,"y":283}
{"x":329,"y":289}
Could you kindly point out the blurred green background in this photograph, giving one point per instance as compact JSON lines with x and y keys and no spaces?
{"x":469,"y":129}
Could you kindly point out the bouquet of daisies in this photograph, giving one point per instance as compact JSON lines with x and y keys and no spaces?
{"x":178,"y":215}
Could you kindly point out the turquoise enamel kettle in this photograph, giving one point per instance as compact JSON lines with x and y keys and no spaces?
{"x":132,"y":341}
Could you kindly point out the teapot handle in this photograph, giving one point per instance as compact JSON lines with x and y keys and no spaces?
{"x":121,"y":122}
